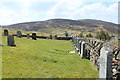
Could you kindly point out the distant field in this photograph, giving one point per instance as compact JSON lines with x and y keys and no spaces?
{"x":44,"y":59}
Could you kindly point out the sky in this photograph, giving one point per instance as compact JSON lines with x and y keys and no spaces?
{"x":18,"y":11}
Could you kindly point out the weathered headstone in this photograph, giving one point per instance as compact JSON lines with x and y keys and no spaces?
{"x":79,"y":47}
{"x":19,"y":34}
{"x":78,"y":39}
{"x":28,"y":36}
{"x":105,"y":70}
{"x":50,"y":36}
{"x":82,"y":49}
{"x":34,"y":36}
{"x":75,"y":41}
{"x":118,"y":56}
{"x":5,"y":32}
{"x":10,"y":40}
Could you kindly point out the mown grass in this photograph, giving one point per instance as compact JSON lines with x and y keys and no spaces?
{"x":44,"y":58}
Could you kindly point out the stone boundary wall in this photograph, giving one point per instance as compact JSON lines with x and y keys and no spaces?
{"x":89,"y":48}
{"x":44,"y":37}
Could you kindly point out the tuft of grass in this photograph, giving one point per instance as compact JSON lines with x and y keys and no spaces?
{"x":44,"y":58}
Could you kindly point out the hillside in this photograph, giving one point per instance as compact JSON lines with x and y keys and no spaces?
{"x":61,"y":25}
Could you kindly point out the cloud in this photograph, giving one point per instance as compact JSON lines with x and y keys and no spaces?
{"x":99,"y":11}
{"x":16,"y":11}
{"x":89,"y":11}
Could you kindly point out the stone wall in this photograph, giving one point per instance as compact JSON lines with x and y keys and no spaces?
{"x":89,"y":48}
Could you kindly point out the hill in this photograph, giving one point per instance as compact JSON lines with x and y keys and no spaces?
{"x":61,"y":25}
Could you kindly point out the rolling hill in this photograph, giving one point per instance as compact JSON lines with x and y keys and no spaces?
{"x":61,"y":25}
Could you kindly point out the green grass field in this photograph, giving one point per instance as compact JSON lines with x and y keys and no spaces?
{"x":44,"y":58}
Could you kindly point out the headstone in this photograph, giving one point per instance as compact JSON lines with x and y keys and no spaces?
{"x":5,"y":32}
{"x":118,"y":56}
{"x":79,"y":47}
{"x":28,"y":36}
{"x":77,"y":43}
{"x":10,"y":40}
{"x":74,"y":40}
{"x":82,"y":49}
{"x":34,"y":36}
{"x":50,"y":36}
{"x":19,"y":34}
{"x":105,"y":70}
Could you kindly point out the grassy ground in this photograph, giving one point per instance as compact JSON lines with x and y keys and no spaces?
{"x":44,"y":59}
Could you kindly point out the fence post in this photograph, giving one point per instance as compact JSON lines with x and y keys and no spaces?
{"x":105,"y":71}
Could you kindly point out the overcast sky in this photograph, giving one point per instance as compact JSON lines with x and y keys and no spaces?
{"x":17,"y":11}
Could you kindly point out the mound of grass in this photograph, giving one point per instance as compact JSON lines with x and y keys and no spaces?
{"x":44,"y":58}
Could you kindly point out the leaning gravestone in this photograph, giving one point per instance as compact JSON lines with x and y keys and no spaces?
{"x":5,"y":32}
{"x":28,"y":36}
{"x":19,"y":34}
{"x":105,"y":71}
{"x":34,"y":36}
{"x":10,"y":40}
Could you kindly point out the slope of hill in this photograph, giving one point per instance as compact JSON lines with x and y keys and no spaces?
{"x":84,"y":25}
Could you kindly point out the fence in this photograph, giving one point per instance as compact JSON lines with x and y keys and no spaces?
{"x":104,"y":56}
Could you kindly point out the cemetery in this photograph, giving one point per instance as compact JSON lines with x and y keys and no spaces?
{"x":49,"y":57}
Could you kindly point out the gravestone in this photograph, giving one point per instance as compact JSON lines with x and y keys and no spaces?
{"x":19,"y":34}
{"x":28,"y":36}
{"x":10,"y":40}
{"x":77,"y":43}
{"x":34,"y":36}
{"x":74,"y":39}
{"x":79,"y":47}
{"x":5,"y":32}
{"x":118,"y":56}
{"x":50,"y":36}
{"x":105,"y":70}
{"x":55,"y":36}
{"x":87,"y":51}
{"x":82,"y":49}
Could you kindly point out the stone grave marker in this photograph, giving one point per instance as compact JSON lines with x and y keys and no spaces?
{"x":82,"y":49}
{"x":77,"y":43}
{"x":34,"y":36}
{"x":50,"y":36}
{"x":79,"y":47}
{"x":5,"y":32}
{"x":55,"y":36}
{"x":10,"y":40}
{"x":73,"y":39}
{"x":28,"y":36}
{"x":105,"y":71}
{"x":19,"y":34}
